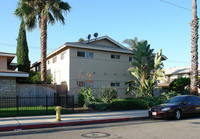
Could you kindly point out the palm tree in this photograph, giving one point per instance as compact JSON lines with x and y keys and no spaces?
{"x":194,"y":51}
{"x":45,"y":11}
{"x":133,"y":43}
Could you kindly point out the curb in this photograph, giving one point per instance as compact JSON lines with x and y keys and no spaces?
{"x":48,"y":125}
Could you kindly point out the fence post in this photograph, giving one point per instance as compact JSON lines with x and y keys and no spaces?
{"x":17,"y":103}
{"x":73,"y":102}
{"x":46,"y":104}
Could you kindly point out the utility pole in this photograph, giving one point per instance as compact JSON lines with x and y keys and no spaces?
{"x":194,"y":50}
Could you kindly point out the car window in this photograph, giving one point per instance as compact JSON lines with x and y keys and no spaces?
{"x":196,"y":100}
{"x":190,"y":100}
{"x":176,"y":100}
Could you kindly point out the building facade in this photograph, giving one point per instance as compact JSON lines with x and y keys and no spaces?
{"x":8,"y":74}
{"x":99,"y":62}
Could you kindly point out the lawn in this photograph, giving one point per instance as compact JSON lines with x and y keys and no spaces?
{"x":30,"y":111}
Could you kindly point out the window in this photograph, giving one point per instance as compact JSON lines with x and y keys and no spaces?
{"x":55,"y":59}
{"x":85,"y":54}
{"x":114,"y":84}
{"x":63,"y":55}
{"x":88,"y":55}
{"x":48,"y":62}
{"x":131,"y":59}
{"x":80,"y":84}
{"x":85,"y":84}
{"x":115,"y":56}
{"x":81,"y":54}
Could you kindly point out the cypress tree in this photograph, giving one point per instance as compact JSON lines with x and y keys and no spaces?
{"x":22,"y":50}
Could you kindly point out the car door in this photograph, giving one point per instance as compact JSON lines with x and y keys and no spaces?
{"x":197,"y":104}
{"x":189,"y":106}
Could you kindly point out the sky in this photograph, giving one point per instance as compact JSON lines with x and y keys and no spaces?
{"x":165,"y":24}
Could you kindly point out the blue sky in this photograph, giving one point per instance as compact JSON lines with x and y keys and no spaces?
{"x":165,"y":26}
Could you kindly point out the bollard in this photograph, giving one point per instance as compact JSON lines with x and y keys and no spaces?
{"x":58,"y":108}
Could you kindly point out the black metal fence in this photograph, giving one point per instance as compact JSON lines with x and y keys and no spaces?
{"x":35,"y":105}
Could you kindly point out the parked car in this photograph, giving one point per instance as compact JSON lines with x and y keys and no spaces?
{"x":177,"y":107}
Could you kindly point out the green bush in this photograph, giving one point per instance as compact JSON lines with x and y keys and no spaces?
{"x":107,"y":94}
{"x":179,"y":84}
{"x":34,"y":78}
{"x":153,"y":101}
{"x":85,"y":96}
{"x":98,"y":105}
{"x":127,"y":104}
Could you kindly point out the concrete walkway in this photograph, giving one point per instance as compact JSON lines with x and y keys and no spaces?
{"x":30,"y":122}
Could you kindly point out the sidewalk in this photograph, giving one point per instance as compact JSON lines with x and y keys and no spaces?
{"x":30,"y":122}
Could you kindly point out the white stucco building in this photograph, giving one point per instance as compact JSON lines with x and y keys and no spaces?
{"x":99,"y":62}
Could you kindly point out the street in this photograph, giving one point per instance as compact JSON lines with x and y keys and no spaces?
{"x":187,"y":128}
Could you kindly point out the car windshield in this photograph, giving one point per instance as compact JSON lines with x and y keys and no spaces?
{"x":176,"y":100}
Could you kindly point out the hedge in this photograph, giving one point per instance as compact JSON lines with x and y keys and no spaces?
{"x":127,"y":104}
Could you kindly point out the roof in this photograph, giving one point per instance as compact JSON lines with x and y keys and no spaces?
{"x":88,"y":45}
{"x":10,"y":56}
{"x":178,"y":70}
{"x":11,"y":73}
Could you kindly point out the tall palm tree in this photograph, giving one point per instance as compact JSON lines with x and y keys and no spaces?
{"x":44,"y":11}
{"x":194,"y":50}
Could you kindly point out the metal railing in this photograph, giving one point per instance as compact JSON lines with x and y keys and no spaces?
{"x":34,"y":105}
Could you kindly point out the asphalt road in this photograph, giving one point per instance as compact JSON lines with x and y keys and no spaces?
{"x":187,"y":128}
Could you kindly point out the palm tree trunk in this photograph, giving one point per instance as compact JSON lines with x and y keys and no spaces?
{"x":194,"y":51}
{"x":43,"y":41}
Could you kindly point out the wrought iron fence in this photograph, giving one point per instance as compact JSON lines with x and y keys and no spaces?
{"x":34,"y":105}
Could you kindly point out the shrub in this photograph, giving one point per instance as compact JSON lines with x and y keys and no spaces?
{"x":34,"y":78}
{"x":179,"y":84}
{"x":153,"y":101}
{"x":107,"y":94}
{"x":127,"y":104}
{"x":98,"y":105}
{"x":85,"y":96}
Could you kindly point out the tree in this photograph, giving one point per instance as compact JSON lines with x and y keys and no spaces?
{"x":147,"y":69}
{"x":45,"y":11}
{"x":22,"y":50}
{"x":81,"y":40}
{"x":133,"y":43}
{"x":194,"y":50}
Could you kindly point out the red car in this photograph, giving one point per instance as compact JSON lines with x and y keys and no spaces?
{"x":177,"y":107}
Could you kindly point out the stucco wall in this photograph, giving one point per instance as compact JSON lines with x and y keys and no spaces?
{"x":3,"y":63}
{"x":35,"y":90}
{"x":103,"y":70}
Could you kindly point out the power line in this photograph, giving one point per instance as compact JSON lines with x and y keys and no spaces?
{"x":177,"y":6}
{"x":172,"y":61}
{"x":14,"y":45}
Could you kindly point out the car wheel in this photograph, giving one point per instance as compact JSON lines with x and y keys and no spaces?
{"x":177,"y":115}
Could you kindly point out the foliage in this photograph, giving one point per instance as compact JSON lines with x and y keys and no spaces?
{"x":81,"y":40}
{"x":127,"y":104}
{"x":45,"y":11}
{"x":153,"y":101}
{"x":34,"y":78}
{"x":85,"y":96}
{"x":172,"y":93}
{"x":133,"y":43}
{"x":179,"y":84}
{"x":107,"y":94}
{"x":22,"y":50}
{"x":102,"y":106}
{"x":147,"y":69}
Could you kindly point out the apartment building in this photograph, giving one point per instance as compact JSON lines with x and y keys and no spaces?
{"x":8,"y":75}
{"x":97,"y":62}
